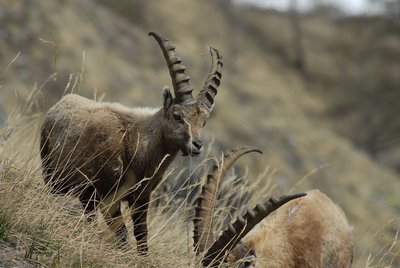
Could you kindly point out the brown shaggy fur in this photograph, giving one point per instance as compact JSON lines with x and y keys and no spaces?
{"x":308,"y":232}
{"x":105,"y":153}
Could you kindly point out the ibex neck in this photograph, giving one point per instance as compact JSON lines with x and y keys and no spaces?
{"x":154,"y":128}
{"x":153,"y":153}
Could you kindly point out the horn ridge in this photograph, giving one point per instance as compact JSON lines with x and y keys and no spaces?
{"x":213,"y":80}
{"x":180,"y":81}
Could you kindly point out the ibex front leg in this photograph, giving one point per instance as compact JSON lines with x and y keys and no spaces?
{"x":139,"y":218}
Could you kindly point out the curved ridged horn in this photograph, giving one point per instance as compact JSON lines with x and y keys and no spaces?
{"x":213,"y":81}
{"x":180,"y":81}
{"x":204,"y":210}
{"x":218,"y":251}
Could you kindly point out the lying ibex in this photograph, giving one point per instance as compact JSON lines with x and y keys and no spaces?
{"x":310,"y":231}
{"x":105,"y":153}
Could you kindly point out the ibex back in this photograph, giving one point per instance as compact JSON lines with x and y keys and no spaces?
{"x":105,"y":153}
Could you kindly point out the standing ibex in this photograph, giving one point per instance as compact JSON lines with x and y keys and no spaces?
{"x":105,"y":153}
{"x":310,"y":231}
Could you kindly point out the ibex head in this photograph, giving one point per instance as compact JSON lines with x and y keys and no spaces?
{"x":185,"y":115}
{"x":227,"y":247}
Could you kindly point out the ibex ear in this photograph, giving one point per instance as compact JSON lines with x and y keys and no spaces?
{"x":167,"y":98}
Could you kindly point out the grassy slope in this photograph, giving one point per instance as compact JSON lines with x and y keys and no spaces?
{"x":262,"y":101}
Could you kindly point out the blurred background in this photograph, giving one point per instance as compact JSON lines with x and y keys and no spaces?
{"x":314,"y":84}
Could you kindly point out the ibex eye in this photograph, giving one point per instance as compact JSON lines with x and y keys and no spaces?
{"x":177,"y":116}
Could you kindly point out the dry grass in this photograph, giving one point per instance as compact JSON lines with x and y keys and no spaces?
{"x":52,"y":231}
{"x":45,"y":230}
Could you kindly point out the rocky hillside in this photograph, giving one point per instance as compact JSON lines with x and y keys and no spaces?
{"x":321,"y":126}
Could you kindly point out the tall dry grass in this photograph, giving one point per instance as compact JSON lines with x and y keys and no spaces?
{"x":46,"y":230}
{"x":52,"y":230}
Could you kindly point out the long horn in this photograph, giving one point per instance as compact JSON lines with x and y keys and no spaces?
{"x":213,"y":81}
{"x":218,"y":251}
{"x":180,"y":81}
{"x":204,"y":210}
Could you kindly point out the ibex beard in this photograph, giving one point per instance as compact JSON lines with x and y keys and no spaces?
{"x":105,"y":153}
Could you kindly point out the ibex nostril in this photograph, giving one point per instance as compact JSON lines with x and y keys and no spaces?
{"x":198,"y":144}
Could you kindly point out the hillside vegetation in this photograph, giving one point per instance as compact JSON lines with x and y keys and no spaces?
{"x":330,"y":126}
